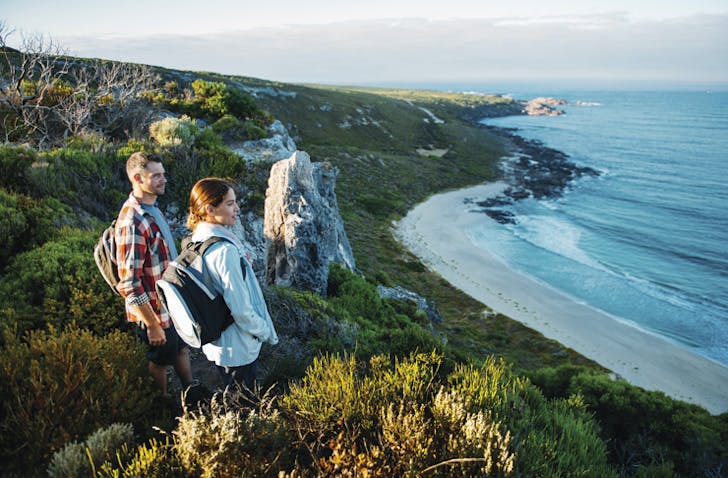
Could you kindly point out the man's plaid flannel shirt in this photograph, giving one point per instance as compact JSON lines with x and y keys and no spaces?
{"x":142,"y":256}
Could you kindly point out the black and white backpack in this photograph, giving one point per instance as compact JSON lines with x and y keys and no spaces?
{"x":198,"y":313}
{"x":105,"y":257}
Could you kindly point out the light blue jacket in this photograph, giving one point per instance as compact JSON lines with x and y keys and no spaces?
{"x":240,"y":343}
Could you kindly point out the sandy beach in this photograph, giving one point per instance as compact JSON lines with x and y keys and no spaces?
{"x":642,"y":358}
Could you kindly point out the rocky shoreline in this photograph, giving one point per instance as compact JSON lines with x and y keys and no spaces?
{"x":532,"y":170}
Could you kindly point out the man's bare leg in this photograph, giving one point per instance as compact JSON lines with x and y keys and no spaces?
{"x":159,"y":374}
{"x":183,"y":367}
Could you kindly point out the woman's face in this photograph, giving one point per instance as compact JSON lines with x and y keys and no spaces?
{"x":226,"y":212}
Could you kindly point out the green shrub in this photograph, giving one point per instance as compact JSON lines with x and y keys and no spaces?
{"x":216,"y":100}
{"x":555,"y":382}
{"x":15,"y":164}
{"x":26,"y":223}
{"x":173,"y":131}
{"x":252,"y":130}
{"x":90,"y":181}
{"x":130,"y":147}
{"x":382,"y":329}
{"x":560,"y":439}
{"x":209,"y":95}
{"x":383,"y":278}
{"x":211,"y":101}
{"x":662,"y":470}
{"x":58,"y":283}
{"x":185,"y":166}
{"x":380,"y":206}
{"x":643,"y":428}
{"x":81,"y":459}
{"x":650,"y":428}
{"x":208,"y":141}
{"x":232,"y":129}
{"x":232,"y":441}
{"x":403,"y":419}
{"x":550,"y":438}
{"x":240,"y":103}
{"x":221,"y":162}
{"x":59,"y":386}
{"x":154,"y":459}
{"x":229,"y":126}
{"x":92,"y":141}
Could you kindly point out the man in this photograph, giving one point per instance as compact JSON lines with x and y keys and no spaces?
{"x":144,"y":248}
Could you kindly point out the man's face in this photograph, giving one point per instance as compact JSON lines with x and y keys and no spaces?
{"x":152,"y":180}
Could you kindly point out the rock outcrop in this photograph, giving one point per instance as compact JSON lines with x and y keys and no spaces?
{"x":303,"y":228}
{"x":532,"y":171}
{"x":405,"y":295}
{"x":279,"y":145}
{"x":544,"y":107}
{"x":249,"y":229}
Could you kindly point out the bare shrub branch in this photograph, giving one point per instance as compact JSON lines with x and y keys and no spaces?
{"x":45,"y":96}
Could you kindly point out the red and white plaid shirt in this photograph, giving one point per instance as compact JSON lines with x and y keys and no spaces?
{"x":142,"y":256}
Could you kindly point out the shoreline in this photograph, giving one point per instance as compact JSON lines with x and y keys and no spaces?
{"x":640,"y":357}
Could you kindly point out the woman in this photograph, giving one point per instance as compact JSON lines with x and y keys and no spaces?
{"x":213,"y":207}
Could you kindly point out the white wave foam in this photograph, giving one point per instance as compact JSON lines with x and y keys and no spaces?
{"x":586,"y":103}
{"x":659,"y":292}
{"x":555,"y":235}
{"x":551,"y":205}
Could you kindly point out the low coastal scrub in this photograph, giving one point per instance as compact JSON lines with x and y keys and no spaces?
{"x":56,"y":284}
{"x":213,"y":101}
{"x":26,"y":223}
{"x":102,"y":446}
{"x":232,"y":129}
{"x":644,"y":428}
{"x":380,"y":328}
{"x":173,"y":131}
{"x":57,"y":386}
{"x":382,"y":418}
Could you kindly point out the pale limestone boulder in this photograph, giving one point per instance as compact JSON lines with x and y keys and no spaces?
{"x":303,"y":229}
{"x":279,"y":145}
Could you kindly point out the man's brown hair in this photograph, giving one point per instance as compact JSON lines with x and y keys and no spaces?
{"x":138,"y":161}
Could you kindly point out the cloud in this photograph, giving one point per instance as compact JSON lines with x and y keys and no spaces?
{"x":605,"y":47}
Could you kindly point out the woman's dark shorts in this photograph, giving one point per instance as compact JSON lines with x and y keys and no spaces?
{"x":163,"y":354}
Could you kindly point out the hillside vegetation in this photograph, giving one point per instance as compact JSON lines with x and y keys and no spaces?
{"x":360,"y":386}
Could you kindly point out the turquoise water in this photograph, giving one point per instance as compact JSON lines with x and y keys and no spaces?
{"x":647,"y":240}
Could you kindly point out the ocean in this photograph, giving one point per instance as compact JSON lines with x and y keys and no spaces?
{"x":646,"y":240}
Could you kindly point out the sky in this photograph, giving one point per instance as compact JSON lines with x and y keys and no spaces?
{"x":404,"y":42}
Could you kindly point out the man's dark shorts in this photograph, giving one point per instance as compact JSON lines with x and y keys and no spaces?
{"x":163,"y":354}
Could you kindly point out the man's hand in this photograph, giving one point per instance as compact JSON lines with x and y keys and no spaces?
{"x":155,"y":332}
{"x":156,"y":336}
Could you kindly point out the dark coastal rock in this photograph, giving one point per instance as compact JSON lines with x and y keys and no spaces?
{"x":497,"y":201}
{"x":532,"y":171}
{"x":405,"y":295}
{"x":303,"y":229}
{"x":501,"y":215}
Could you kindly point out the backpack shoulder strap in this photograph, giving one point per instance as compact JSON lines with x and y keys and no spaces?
{"x":199,"y":248}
